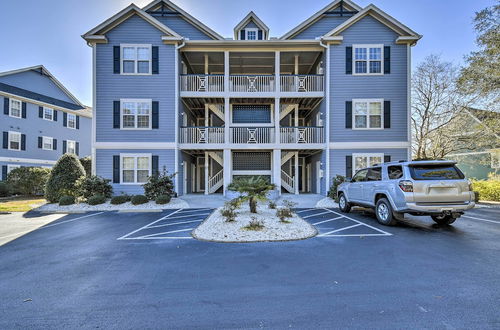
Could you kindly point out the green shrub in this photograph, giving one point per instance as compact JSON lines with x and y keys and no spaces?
{"x":139,"y":199}
{"x":93,"y":185}
{"x":87,"y":165}
{"x":63,"y":177}
{"x":332,"y":193}
{"x":29,"y":181}
{"x":272,"y":205}
{"x":255,"y":225}
{"x":96,"y":200}
{"x":5,"y":190}
{"x":117,"y":200}
{"x":67,"y":200}
{"x":163,"y":199}
{"x":159,"y":184}
{"x":488,"y":190}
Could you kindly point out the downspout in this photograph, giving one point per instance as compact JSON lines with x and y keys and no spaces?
{"x":177,"y":95}
{"x":326,"y":172}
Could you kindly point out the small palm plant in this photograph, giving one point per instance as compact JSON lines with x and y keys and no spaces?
{"x":253,"y":189}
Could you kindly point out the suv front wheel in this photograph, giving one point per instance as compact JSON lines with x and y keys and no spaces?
{"x":344,"y":205}
{"x":383,"y":211}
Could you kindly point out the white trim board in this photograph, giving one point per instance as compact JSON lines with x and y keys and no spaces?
{"x":135,"y":145}
{"x":369,"y":145}
{"x":27,"y":160}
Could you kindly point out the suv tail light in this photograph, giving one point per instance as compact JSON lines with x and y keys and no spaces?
{"x":406,"y":185}
{"x":471,"y":187}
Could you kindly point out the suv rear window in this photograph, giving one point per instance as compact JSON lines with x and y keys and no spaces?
{"x":435,"y":172}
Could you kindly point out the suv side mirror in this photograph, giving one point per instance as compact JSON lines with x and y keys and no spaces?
{"x":348,"y":180}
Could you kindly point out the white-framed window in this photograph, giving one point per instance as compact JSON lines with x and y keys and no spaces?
{"x":71,"y":121}
{"x":360,"y":161}
{"x":11,"y":167}
{"x":135,"y":59}
{"x":135,"y":168}
{"x":136,"y":113}
{"x":47,"y":143}
{"x":48,"y":113}
{"x":368,"y":114}
{"x":71,"y":147}
{"x":15,"y":108}
{"x":251,"y":34}
{"x":14,"y":140}
{"x":368,"y":59}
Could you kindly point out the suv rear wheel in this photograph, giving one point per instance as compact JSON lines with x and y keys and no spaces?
{"x":344,"y":205}
{"x":444,"y":219}
{"x":383,"y":211}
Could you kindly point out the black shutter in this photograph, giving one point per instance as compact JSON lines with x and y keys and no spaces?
{"x":6,"y":140}
{"x":23,"y":113}
{"x":116,"y":59}
{"x":155,"y":60}
{"x":154,"y":165}
{"x":348,"y":166}
{"x":155,"y":121}
{"x":260,"y":35}
{"x":77,"y":148}
{"x":116,"y":114}
{"x":23,"y":141}
{"x":64,"y":147}
{"x":387,"y":114}
{"x":54,"y":144}
{"x":77,"y":122}
{"x":348,"y":114}
{"x":348,"y":60}
{"x":116,"y":169}
{"x":242,"y":35}
{"x":4,"y":172}
{"x":387,"y":59}
{"x":55,"y":115}
{"x":387,"y":158}
{"x":40,"y":112}
{"x":65,"y":119}
{"x":6,"y":106}
{"x":40,"y":142}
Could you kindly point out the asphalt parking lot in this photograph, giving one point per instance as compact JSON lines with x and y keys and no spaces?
{"x":141,"y":270}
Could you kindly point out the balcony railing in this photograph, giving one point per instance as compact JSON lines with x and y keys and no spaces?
{"x":202,"y":83}
{"x":252,"y":83}
{"x":305,"y":134}
{"x":250,"y":135}
{"x":302,"y":83}
{"x":201,"y":135}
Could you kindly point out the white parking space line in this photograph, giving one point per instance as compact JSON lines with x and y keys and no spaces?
{"x":340,"y":229}
{"x":174,"y":223}
{"x":314,"y":215}
{"x":306,"y":210}
{"x":66,"y":221}
{"x":480,"y":219}
{"x":166,"y":232}
{"x":190,"y":216}
{"x":146,"y":226}
{"x":383,"y":233}
{"x":318,"y":223}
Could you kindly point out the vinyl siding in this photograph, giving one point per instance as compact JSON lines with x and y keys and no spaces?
{"x":33,"y":127}
{"x":321,"y":27}
{"x":104,"y":166}
{"x":113,"y":87}
{"x":390,"y":87}
{"x":183,"y":28}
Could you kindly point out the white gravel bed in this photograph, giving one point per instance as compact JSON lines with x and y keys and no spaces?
{"x":216,"y":229}
{"x":327,"y":202}
{"x":175,"y":203}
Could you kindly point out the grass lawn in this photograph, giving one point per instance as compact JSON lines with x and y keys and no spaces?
{"x":20,"y":204}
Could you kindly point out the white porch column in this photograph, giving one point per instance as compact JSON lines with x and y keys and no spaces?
{"x":206,"y":173}
{"x":227,"y":118}
{"x":227,"y":169}
{"x":277,"y":109}
{"x":277,"y":69}
{"x":226,"y":71}
{"x":296,"y":177}
{"x":277,"y":169}
{"x":207,"y":111}
{"x":206,"y":64}
{"x":296,"y":67}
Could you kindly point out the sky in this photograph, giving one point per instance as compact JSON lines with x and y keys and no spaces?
{"x":48,"y":32}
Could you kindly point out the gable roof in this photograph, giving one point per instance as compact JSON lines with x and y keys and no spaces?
{"x":311,"y":20}
{"x":42,"y":70}
{"x":406,"y":34}
{"x":251,"y":17}
{"x":187,"y":16}
{"x":97,"y":34}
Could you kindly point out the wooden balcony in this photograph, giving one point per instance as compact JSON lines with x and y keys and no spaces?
{"x":202,"y":83}
{"x":201,"y":135}
{"x":302,"y":83}
{"x":305,"y":134}
{"x":248,"y":135}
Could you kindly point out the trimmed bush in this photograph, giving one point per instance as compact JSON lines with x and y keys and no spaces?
{"x":93,"y":185}
{"x":332,"y":193}
{"x":28,"y":181}
{"x":63,"y":177}
{"x":87,"y":165}
{"x":96,"y":200}
{"x":487,"y":190}
{"x":117,"y":200}
{"x":5,"y":190}
{"x":139,"y":199}
{"x":159,"y":184}
{"x":67,"y":200}
{"x":163,"y":199}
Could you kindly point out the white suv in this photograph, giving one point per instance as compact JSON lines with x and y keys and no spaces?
{"x":435,"y":188}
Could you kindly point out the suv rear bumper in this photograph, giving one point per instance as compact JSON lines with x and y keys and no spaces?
{"x":434,"y":208}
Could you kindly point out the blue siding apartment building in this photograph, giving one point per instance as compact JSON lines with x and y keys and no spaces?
{"x":41,"y":120}
{"x":330,"y":96}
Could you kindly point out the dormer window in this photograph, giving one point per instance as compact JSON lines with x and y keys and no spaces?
{"x":251,"y":33}
{"x":251,"y":28}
